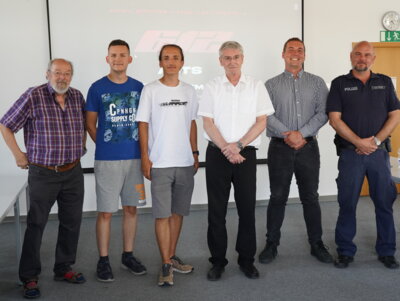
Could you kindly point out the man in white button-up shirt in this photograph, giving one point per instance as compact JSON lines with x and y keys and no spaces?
{"x":234,"y":108}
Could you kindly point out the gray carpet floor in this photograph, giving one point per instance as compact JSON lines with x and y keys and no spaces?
{"x":294,"y":275}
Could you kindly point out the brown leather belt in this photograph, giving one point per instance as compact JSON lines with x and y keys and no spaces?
{"x":59,"y":168}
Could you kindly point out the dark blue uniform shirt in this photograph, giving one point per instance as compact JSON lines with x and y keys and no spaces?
{"x":364,"y":108}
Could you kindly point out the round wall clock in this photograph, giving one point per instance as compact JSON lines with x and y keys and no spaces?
{"x":391,"y":20}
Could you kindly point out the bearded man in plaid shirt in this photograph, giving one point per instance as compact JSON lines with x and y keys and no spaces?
{"x":52,"y":116}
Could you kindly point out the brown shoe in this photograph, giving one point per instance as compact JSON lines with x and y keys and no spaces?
{"x":179,"y":266}
{"x":166,"y":277}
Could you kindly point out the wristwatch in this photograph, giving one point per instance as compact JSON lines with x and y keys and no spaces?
{"x":377,"y":141}
{"x":196,"y":153}
{"x":240,"y":145}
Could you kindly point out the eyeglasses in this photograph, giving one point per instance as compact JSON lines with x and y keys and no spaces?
{"x":59,"y":73}
{"x":232,"y":58}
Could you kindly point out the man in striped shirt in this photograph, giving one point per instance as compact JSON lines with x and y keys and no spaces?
{"x":299,"y":100}
{"x":52,"y":116}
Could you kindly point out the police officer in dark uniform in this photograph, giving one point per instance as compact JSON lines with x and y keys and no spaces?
{"x":363,"y":109}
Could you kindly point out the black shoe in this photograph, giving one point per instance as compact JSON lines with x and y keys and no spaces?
{"x":215,"y":272}
{"x":343,"y":261}
{"x":389,"y":261}
{"x":320,"y":251}
{"x":250,"y":271}
{"x":269,"y":253}
{"x":104,"y":271}
{"x":132,"y":264}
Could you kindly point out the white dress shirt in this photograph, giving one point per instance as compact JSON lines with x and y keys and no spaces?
{"x":234,"y":109}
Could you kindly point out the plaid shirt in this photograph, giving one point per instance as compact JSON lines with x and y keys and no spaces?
{"x":52,"y":136}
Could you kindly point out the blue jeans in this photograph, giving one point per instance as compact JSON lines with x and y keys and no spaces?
{"x":283,"y":162}
{"x":352,"y":170}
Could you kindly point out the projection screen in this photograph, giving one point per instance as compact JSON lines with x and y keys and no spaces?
{"x":81,"y":30}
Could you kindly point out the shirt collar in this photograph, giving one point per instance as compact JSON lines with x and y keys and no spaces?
{"x":50,"y":88}
{"x":351,"y":76}
{"x":290,"y":74}
{"x":241,"y":80}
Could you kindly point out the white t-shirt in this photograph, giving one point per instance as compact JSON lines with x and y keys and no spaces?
{"x":169,"y":112}
{"x":234,"y":109}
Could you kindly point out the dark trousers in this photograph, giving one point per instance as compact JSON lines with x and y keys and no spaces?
{"x":45,"y":187}
{"x":283,"y":162}
{"x":352,"y":170}
{"x":220,"y":173}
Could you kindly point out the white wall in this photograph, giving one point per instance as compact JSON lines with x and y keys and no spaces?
{"x":330,"y":28}
{"x":23,"y":27}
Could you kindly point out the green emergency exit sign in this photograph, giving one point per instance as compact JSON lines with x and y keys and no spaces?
{"x":390,"y":36}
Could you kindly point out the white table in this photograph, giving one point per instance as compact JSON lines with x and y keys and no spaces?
{"x":11,"y":188}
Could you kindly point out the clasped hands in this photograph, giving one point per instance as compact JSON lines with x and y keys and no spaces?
{"x":366,"y":146}
{"x":232,"y":152}
{"x":294,"y":139}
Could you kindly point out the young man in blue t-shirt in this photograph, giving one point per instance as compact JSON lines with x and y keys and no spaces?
{"x":112,"y":103}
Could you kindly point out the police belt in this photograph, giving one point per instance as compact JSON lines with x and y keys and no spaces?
{"x":385,"y":145}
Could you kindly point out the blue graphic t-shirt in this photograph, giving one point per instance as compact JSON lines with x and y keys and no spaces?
{"x":117,"y":130}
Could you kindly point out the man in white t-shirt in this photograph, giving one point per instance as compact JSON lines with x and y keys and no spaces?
{"x":168,"y":143}
{"x":234,"y":108}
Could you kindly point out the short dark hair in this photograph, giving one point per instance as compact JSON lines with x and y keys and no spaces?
{"x":170,"y":45}
{"x":118,"y":43}
{"x":294,"y":40}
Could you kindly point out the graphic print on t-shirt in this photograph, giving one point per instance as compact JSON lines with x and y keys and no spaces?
{"x":120,"y":115}
{"x":173,"y":102}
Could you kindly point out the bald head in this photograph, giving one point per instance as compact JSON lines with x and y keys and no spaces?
{"x":362,"y":57}
{"x":364,"y":44}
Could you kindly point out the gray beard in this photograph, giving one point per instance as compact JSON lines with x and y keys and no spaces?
{"x":360,"y":69}
{"x":59,"y":91}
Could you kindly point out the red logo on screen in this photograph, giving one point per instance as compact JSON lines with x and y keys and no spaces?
{"x":190,"y":41}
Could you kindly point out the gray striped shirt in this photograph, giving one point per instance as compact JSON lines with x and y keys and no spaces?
{"x":299,"y":104}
